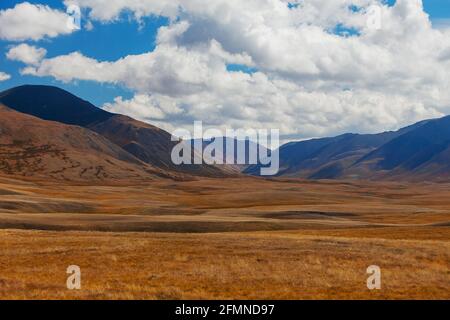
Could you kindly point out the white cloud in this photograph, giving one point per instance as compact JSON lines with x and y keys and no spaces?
{"x":26,"y":54}
{"x":170,"y":70}
{"x":257,"y":102}
{"x":145,"y":107}
{"x":89,"y":26}
{"x":4,"y":76}
{"x":308,"y":80}
{"x":28,"y":21}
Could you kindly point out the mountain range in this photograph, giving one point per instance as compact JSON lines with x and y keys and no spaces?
{"x":417,"y":152}
{"x":46,"y":131}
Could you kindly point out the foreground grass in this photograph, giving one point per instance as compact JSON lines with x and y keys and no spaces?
{"x":228,"y":239}
{"x":258,"y":265}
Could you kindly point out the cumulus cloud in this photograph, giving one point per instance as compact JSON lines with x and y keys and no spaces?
{"x":257,"y":102}
{"x":170,"y":70}
{"x":158,"y":110}
{"x":28,"y":21}
{"x":26,"y":54}
{"x":4,"y":76}
{"x":307,"y":79}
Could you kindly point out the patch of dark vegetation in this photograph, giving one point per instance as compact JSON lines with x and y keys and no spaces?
{"x":6,"y":192}
{"x":332,"y":242}
{"x":442,"y":224}
{"x":23,"y":157}
{"x":170,"y":211}
{"x":46,"y":207}
{"x":158,"y":227}
{"x":307,"y":215}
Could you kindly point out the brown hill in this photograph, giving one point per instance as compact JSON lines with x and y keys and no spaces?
{"x":37,"y":148}
{"x":148,"y":143}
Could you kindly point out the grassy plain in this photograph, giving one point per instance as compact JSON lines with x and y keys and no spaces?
{"x":240,"y":238}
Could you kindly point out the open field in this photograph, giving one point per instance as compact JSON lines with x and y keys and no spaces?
{"x":228,"y":239}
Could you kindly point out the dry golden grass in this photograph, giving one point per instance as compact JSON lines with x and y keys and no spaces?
{"x":219,"y":266}
{"x":225,"y":239}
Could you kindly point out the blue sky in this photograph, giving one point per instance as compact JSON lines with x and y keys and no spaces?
{"x":437,"y":8}
{"x":111,"y":42}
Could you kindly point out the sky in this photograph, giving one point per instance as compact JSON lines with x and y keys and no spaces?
{"x":310,"y":68}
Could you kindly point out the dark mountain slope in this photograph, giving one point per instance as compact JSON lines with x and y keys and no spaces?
{"x":54,"y":104}
{"x":423,"y":149}
{"x":410,"y":152}
{"x":326,"y":158}
{"x":292,"y":154}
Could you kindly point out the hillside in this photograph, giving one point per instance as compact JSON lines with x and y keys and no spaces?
{"x":38,"y":148}
{"x":148,"y":143}
{"x":421,"y":153}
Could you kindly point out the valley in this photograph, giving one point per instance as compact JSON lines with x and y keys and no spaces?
{"x":244,"y":238}
{"x":82,"y":186}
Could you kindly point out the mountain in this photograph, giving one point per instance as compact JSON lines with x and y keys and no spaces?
{"x":39,"y":148}
{"x":252,"y":150}
{"x":325,"y":158}
{"x":122,"y":146}
{"x":54,"y":104}
{"x":144,"y":141}
{"x":419,"y":151}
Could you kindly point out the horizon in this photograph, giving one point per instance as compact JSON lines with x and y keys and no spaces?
{"x":207,"y":138}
